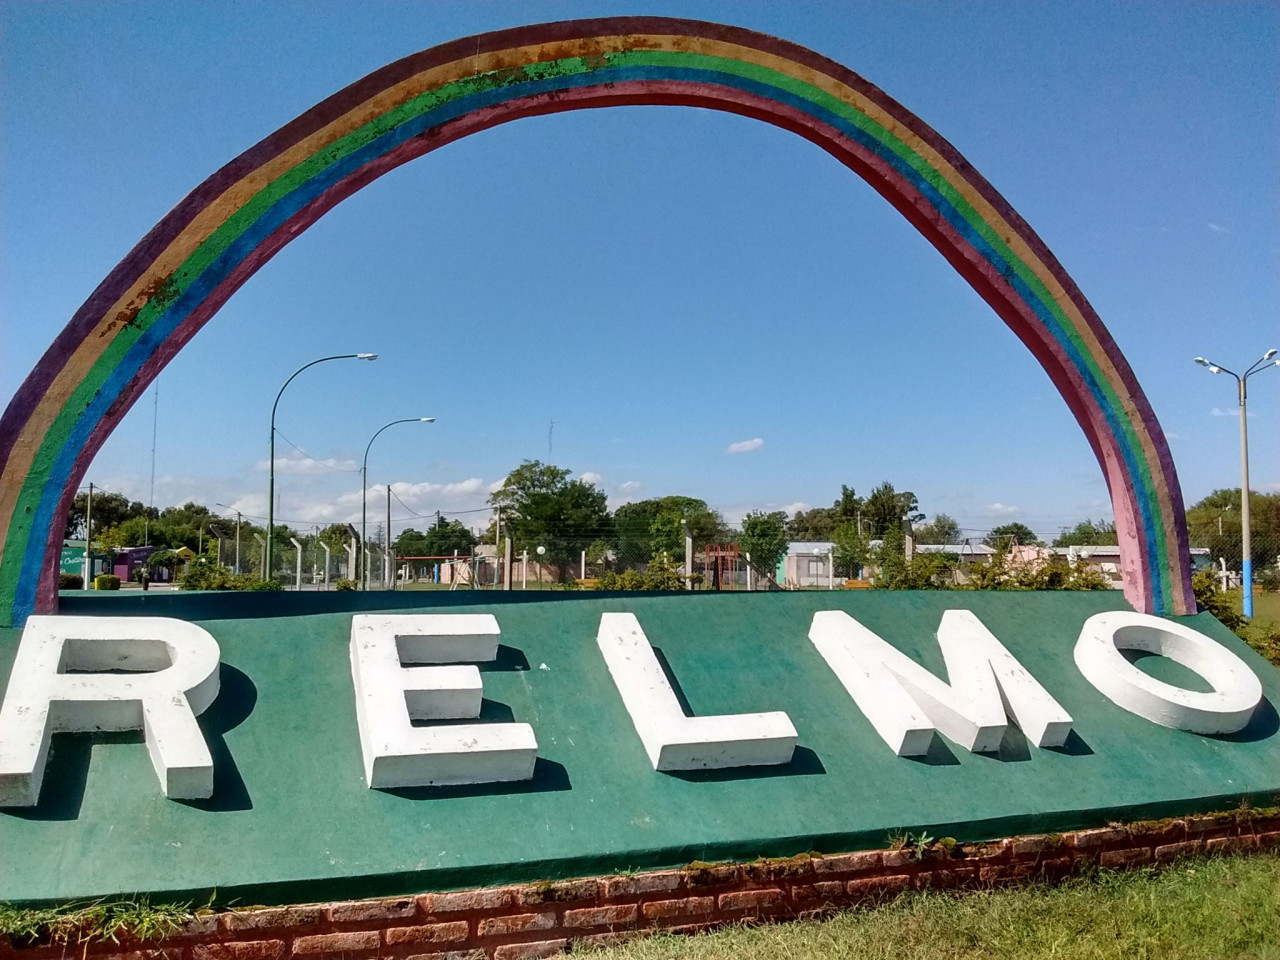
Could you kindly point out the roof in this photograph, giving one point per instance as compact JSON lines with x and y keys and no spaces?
{"x":964,"y":549}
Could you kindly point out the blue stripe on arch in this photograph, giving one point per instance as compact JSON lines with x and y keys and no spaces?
{"x":200,"y":288}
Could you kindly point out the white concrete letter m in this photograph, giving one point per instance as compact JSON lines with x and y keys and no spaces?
{"x":906,"y":703}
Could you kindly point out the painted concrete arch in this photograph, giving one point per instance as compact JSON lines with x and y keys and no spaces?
{"x":191,"y":262}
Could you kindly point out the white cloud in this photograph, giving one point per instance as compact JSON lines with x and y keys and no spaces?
{"x":745,"y":446}
{"x":253,"y":505}
{"x":421,"y":498}
{"x":797,"y":506}
{"x":1001,"y":510}
{"x":461,"y":488}
{"x":1217,"y":228}
{"x":628,"y":492}
{"x":305,"y":466}
{"x":322,"y":497}
{"x":590,"y":477}
{"x":496,"y":485}
{"x":1229,"y":412}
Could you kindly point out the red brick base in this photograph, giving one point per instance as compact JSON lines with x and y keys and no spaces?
{"x":542,"y":919}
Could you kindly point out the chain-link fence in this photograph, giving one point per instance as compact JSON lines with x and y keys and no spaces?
{"x":575,"y":559}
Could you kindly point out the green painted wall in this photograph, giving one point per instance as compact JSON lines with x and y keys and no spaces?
{"x":292,"y":819}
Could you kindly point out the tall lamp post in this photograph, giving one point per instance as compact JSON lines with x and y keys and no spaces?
{"x":1246,"y":546}
{"x":271,"y":460}
{"x":364,"y":491}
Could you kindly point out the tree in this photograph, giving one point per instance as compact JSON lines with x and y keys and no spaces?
{"x":185,"y":526}
{"x":131,"y":532}
{"x":925,"y":571}
{"x":542,"y":507}
{"x":441,"y":540}
{"x":335,"y":536}
{"x":852,"y":549}
{"x":120,"y":523}
{"x":1214,"y":522}
{"x":1086,"y":533}
{"x":648,"y":528}
{"x":666,"y":536}
{"x":816,"y":524}
{"x":109,"y":510}
{"x":820,"y":523}
{"x":941,"y":529}
{"x":1005,"y":535}
{"x":412,"y":543}
{"x":163,"y":558}
{"x":764,"y":537}
{"x":886,"y":508}
{"x":632,"y":523}
{"x":849,"y":505}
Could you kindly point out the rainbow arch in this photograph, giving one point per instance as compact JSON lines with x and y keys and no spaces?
{"x":191,"y":262}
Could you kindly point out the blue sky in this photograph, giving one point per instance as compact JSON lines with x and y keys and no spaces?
{"x":666,"y":284}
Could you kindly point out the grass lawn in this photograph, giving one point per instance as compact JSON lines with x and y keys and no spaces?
{"x":1263,"y":631}
{"x":1217,"y":908}
{"x":1266,"y":606}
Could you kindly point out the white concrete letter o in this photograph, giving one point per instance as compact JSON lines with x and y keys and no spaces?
{"x":1227,"y":709}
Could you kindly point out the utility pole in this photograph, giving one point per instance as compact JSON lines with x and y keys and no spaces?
{"x":155,"y":421}
{"x":688,"y":554}
{"x":88,"y":538}
{"x":497,"y":548}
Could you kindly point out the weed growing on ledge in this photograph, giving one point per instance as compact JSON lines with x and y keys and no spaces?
{"x":97,"y":921}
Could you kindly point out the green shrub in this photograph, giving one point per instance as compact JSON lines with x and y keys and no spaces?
{"x":1205,"y":585}
{"x":662,"y":574}
{"x":163,"y":558}
{"x":106,"y":581}
{"x":70,"y":581}
{"x":205,"y":574}
{"x":259,"y":584}
{"x":342,"y":583}
{"x":1269,"y":580}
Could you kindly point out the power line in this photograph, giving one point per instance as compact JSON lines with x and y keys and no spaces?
{"x":421,"y":516}
{"x":328,"y":466}
{"x":324,"y":521}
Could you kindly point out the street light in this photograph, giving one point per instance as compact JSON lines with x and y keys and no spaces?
{"x":271,"y":460}
{"x":364,"y":488}
{"x":237,"y":513}
{"x":1246,"y":546}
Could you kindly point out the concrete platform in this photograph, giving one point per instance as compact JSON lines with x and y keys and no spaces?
{"x":293,"y":820}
